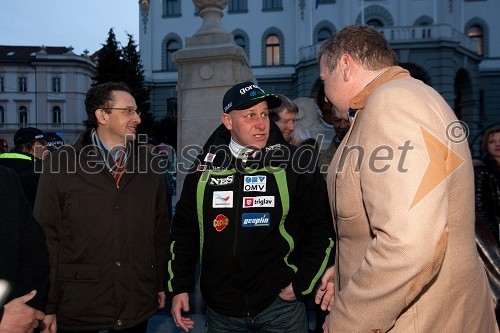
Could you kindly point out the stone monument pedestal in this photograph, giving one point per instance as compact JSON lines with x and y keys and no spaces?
{"x":208,"y":66}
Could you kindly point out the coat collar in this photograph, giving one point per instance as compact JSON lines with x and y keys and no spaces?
{"x":394,"y":72}
{"x":85,"y":141}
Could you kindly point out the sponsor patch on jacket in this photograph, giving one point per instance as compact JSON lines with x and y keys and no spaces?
{"x":216,"y":181}
{"x":250,"y":220}
{"x":209,"y":158}
{"x":262,"y":201}
{"x":203,"y":167}
{"x":254,"y":183}
{"x":222,"y":199}
{"x":273,"y":147}
{"x":220,"y":222}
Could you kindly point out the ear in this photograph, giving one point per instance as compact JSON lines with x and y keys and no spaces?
{"x":227,"y":121}
{"x":102,"y":116}
{"x":346,"y":63}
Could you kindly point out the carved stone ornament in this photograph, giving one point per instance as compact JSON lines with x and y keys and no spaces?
{"x":211,"y":12}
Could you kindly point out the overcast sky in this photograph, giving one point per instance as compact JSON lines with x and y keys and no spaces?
{"x":83,"y":24}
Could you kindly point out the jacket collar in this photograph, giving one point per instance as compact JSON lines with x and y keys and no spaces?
{"x":85,"y":141}
{"x":216,"y":150}
{"x":394,"y":72}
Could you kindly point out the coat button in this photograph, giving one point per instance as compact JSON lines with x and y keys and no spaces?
{"x":119,"y":322}
{"x":118,"y":263}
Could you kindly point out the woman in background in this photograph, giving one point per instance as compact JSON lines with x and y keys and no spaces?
{"x":487,"y":180}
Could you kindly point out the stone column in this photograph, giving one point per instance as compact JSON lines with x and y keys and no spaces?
{"x":208,"y":66}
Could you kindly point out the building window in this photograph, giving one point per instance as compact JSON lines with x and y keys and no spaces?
{"x":23,"y":116}
{"x":23,"y":84}
{"x":272,"y":50}
{"x":172,"y":108}
{"x":171,"y":7}
{"x":56,"y":115}
{"x":322,"y":2}
{"x":374,"y":23}
{"x":172,"y":47}
{"x":240,"y":41}
{"x":56,"y":84}
{"x":2,"y":116}
{"x":476,"y":33}
{"x":324,"y":34}
{"x":272,"y":5}
{"x":238,"y":6}
{"x":2,"y":84}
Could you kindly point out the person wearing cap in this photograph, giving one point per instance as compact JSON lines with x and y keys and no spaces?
{"x":254,"y":211}
{"x":54,"y":141}
{"x":26,"y":158}
{"x":103,"y":207}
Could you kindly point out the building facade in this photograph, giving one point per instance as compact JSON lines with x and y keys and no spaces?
{"x":450,"y":45}
{"x":43,"y":87}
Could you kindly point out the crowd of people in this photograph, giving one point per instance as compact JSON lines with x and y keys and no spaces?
{"x":380,"y":229}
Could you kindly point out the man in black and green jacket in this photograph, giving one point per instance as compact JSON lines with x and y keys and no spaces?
{"x":254,"y":211}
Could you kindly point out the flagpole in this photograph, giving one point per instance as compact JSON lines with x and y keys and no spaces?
{"x":362,"y":12}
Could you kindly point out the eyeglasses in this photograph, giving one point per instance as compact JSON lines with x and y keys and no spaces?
{"x":130,"y":112}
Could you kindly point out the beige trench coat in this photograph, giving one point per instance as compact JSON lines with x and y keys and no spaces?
{"x":401,"y":189}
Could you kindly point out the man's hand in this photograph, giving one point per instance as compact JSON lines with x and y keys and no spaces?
{"x":161,"y":299}
{"x":326,"y":291}
{"x":287,"y":294}
{"x":180,"y":303}
{"x":19,"y":317}
{"x":49,"y":324}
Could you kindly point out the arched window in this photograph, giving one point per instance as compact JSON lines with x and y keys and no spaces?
{"x":56,"y":115}
{"x":272,"y":50}
{"x":172,"y":108}
{"x":375,"y":23}
{"x":476,"y":33}
{"x":240,"y":41}
{"x":324,"y":34}
{"x":172,"y":46}
{"x":23,"y":116}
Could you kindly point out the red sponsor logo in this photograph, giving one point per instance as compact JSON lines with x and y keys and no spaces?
{"x":220,"y":222}
{"x":248,"y":202}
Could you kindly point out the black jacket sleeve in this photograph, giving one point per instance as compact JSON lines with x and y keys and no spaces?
{"x":317,"y":236}
{"x":24,"y":257}
{"x":184,"y":240}
{"x":486,"y":194}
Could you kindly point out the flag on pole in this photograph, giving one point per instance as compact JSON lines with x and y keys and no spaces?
{"x":317,"y":3}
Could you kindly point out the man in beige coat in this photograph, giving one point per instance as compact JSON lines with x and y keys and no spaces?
{"x":401,"y":189}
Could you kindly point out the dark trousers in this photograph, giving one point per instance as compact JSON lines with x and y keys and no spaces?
{"x":281,"y":316}
{"x":141,"y":328}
